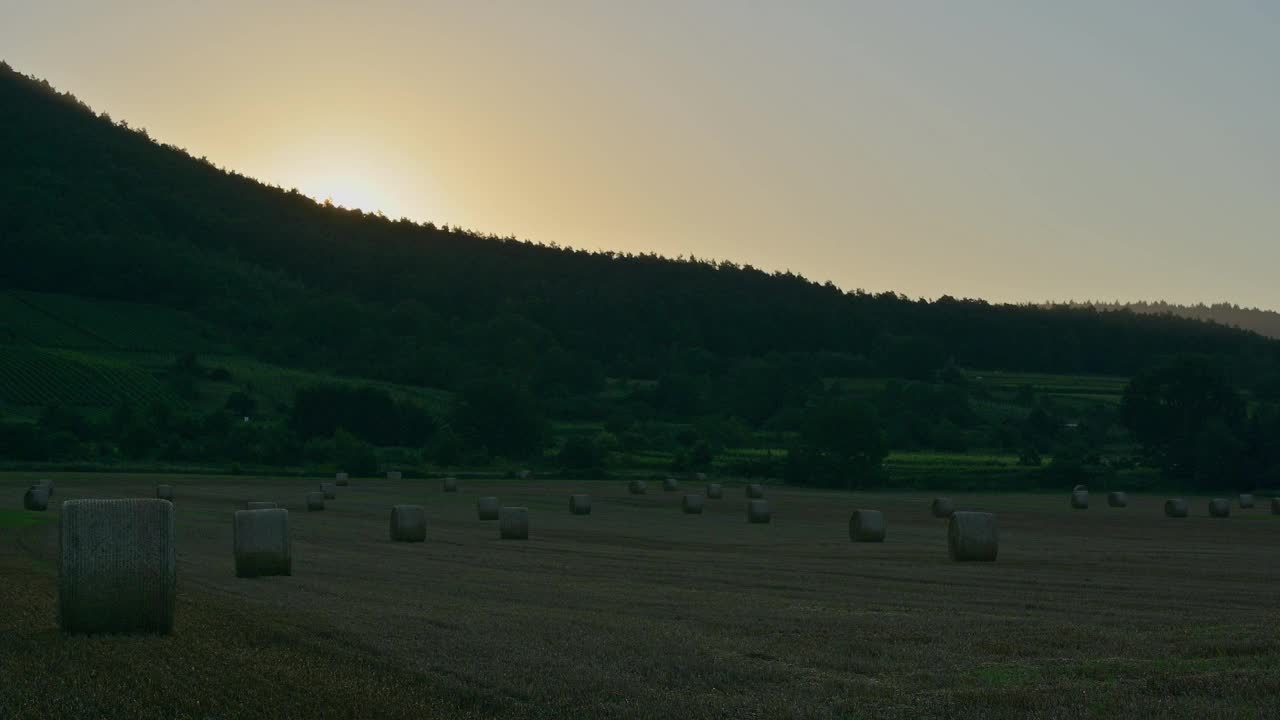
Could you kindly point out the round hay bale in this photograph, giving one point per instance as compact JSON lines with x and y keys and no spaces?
{"x":758,"y":511}
{"x":973,"y":536}
{"x":692,"y":504}
{"x":670,"y":485}
{"x":636,"y":487}
{"x":315,"y":501}
{"x":1118,"y":499}
{"x":524,"y":475}
{"x":394,"y":476}
{"x":942,"y":507}
{"x":487,"y":508}
{"x":36,"y":498}
{"x":164,"y":492}
{"x":1219,"y":508}
{"x":48,"y":484}
{"x":1246,"y":501}
{"x":261,"y":543}
{"x":1080,"y":488}
{"x":341,"y":480}
{"x":260,"y":505}
{"x":451,"y":484}
{"x":1175,"y":508}
{"x":1275,"y":506}
{"x":513,"y":523}
{"x":755,"y":491}
{"x":867,"y":526}
{"x":329,"y":489}
{"x":580,"y":504}
{"x":700,"y":477}
{"x":714,"y":491}
{"x":1080,"y":499}
{"x":118,"y":566}
{"x":408,"y":523}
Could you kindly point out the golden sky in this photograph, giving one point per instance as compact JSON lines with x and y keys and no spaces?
{"x":1007,"y":150}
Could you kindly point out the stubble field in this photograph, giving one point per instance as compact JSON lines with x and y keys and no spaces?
{"x":641,"y":611}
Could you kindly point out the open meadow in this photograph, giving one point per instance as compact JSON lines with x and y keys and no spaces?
{"x":641,"y":611}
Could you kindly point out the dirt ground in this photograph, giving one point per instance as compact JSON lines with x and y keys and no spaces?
{"x":641,"y":611}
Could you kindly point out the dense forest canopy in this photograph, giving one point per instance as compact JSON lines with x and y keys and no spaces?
{"x":521,"y":331}
{"x":1263,"y":322}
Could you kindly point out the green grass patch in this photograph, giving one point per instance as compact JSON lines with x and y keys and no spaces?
{"x":22,"y":518}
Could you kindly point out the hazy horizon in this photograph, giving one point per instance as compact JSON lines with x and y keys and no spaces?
{"x":998,"y":150}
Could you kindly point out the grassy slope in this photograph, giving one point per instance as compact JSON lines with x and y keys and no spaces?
{"x":640,"y":611}
{"x":92,"y":354}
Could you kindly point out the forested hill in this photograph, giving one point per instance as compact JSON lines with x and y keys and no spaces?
{"x":92,"y":207}
{"x":1263,"y":322}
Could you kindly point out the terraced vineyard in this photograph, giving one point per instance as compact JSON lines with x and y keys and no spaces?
{"x":38,"y":377}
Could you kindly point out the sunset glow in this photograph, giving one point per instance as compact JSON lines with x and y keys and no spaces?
{"x":918,"y":147}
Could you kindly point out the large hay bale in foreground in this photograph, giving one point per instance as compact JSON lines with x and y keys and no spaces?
{"x":1219,"y":508}
{"x":1080,"y":499}
{"x":758,"y":511}
{"x":942,"y":507}
{"x":261,"y":505}
{"x":637,"y":487}
{"x":315,"y":501}
{"x":164,"y":492}
{"x":714,"y":491}
{"x":36,"y":498}
{"x":487,"y":508}
{"x":1118,"y":499}
{"x":867,"y":526}
{"x":1246,"y":500}
{"x":513,"y":523}
{"x":261,"y":543}
{"x":670,"y":485}
{"x":342,"y":479}
{"x":118,"y":566}
{"x":580,"y":504}
{"x":1175,"y":508}
{"x":692,"y":504}
{"x":450,"y":484}
{"x":395,"y":475}
{"x":329,"y":489}
{"x":408,"y":523}
{"x":973,"y":536}
{"x":755,"y":491}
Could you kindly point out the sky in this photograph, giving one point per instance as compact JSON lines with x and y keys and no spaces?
{"x":1010,"y":150}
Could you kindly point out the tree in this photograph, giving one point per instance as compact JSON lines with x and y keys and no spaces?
{"x":241,"y":403}
{"x":582,"y":453}
{"x":841,"y":445}
{"x":354,"y":455}
{"x":501,"y":417}
{"x":1181,"y":413}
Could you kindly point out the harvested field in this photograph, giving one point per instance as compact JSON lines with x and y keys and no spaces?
{"x":1084,"y":614}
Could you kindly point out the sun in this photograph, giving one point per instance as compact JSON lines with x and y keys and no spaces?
{"x":358,"y":174}
{"x":350,"y":190}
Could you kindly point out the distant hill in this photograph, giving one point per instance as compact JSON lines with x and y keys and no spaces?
{"x":93,"y":208}
{"x":1263,"y":322}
